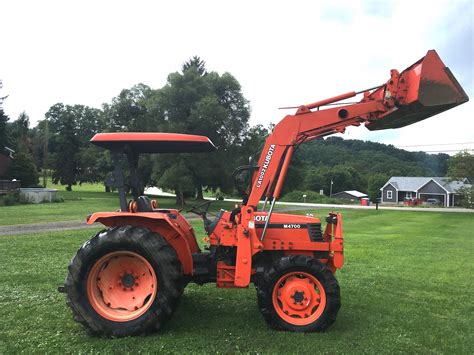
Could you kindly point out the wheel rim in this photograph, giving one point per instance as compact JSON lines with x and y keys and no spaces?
{"x":299,"y":298}
{"x":121,"y":286}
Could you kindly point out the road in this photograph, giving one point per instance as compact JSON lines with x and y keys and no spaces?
{"x":280,"y":207}
{"x":394,"y":208}
{"x":75,"y":225}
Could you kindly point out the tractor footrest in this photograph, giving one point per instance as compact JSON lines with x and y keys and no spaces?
{"x":200,"y":271}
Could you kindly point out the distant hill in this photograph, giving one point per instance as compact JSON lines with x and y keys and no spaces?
{"x":359,"y":165}
{"x":369,"y":157}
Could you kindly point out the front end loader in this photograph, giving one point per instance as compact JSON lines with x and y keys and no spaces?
{"x":128,"y":278}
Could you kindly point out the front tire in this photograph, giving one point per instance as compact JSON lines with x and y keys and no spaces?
{"x":298,"y":293}
{"x":124,"y":281}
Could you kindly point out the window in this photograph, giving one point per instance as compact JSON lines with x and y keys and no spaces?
{"x":409,"y":195}
{"x":389,"y":194}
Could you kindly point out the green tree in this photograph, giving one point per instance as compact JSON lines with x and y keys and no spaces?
{"x":375,"y":183}
{"x":252,"y":144}
{"x":23,"y":169}
{"x":294,"y":179}
{"x":196,"y":63}
{"x":177,"y":177}
{"x":461,"y":166}
{"x":466,"y":194}
{"x":128,"y":111}
{"x":71,"y":128}
{"x":343,"y":177}
{"x":18,"y":132}
{"x":196,"y":101}
{"x":3,"y":128}
{"x":94,"y":164}
{"x":317,"y":179}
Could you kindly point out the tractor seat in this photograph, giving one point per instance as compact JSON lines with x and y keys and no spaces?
{"x":209,"y":225}
{"x":144,"y":204}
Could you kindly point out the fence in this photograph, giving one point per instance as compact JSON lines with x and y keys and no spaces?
{"x":7,"y":186}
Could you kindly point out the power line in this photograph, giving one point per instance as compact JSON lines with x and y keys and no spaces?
{"x":432,"y":145}
{"x":448,"y":150}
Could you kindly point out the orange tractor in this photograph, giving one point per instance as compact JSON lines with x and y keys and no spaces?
{"x":127,"y":279}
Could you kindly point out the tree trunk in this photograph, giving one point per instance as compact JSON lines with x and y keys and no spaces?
{"x":180,"y":198}
{"x":199,"y":195}
{"x":68,"y":187}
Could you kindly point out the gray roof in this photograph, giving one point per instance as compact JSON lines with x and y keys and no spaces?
{"x":413,"y":183}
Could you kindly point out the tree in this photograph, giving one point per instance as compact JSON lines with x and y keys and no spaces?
{"x":196,"y":63}
{"x":461,"y":166}
{"x":177,"y":177}
{"x":343,"y":178}
{"x":252,"y":144}
{"x":40,"y":137}
{"x":128,"y":111}
{"x":294,"y":179}
{"x":18,"y":138}
{"x":196,"y":101}
{"x":71,"y":129}
{"x":94,"y":164}
{"x":317,"y":179}
{"x":3,"y":128}
{"x":466,"y":196}
{"x":18,"y":132}
{"x":375,"y":183}
{"x":23,"y":169}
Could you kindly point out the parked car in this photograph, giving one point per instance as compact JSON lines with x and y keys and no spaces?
{"x":433,"y":201}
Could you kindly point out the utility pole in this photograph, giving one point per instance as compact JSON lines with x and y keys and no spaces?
{"x":330,"y":189}
{"x":45,"y":152}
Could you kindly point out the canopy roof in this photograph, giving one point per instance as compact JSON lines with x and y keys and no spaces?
{"x":142,"y":142}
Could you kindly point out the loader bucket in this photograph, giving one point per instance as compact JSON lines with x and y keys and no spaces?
{"x":424,"y":89}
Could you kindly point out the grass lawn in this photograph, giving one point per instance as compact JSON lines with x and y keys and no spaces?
{"x":406,"y":287}
{"x":80,"y":202}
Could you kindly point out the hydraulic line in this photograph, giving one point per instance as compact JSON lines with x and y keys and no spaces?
{"x":270,"y":211}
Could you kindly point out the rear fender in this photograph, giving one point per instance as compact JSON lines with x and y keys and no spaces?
{"x":170,"y":225}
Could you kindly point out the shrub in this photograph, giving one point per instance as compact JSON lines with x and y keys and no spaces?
{"x":312,"y":197}
{"x":58,"y":199}
{"x":10,"y":199}
{"x":466,"y":197}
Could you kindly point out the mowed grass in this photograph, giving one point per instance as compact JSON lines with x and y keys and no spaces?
{"x":82,"y":201}
{"x":406,"y":287}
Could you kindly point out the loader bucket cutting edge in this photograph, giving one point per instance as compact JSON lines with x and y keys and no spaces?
{"x":425,"y":89}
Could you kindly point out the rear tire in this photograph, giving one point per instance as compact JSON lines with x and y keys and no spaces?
{"x":124,"y":281}
{"x":298,"y":293}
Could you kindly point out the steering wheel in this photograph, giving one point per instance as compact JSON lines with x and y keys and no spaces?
{"x":201,"y":209}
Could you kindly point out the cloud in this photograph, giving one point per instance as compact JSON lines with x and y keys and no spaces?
{"x":283,"y":53}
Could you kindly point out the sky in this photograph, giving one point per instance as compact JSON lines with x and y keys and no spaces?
{"x":283,"y":53}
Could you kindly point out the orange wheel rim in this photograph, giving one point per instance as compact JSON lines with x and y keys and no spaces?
{"x":299,"y":298}
{"x":121,"y":286}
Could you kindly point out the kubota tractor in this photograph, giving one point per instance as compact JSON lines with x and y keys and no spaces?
{"x":127,"y":279}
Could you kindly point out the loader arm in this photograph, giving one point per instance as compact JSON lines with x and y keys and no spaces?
{"x":424,"y":89}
